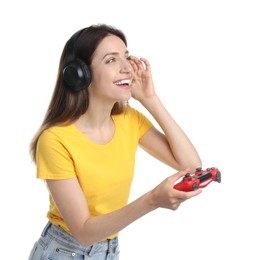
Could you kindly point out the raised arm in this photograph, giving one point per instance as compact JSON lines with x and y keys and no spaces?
{"x":172,"y":147}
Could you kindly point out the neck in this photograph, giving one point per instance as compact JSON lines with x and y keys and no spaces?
{"x":96,"y":117}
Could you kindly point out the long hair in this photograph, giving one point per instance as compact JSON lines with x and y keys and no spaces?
{"x":66,"y":105}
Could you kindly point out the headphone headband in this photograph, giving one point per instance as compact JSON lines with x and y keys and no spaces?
{"x":70,"y":51}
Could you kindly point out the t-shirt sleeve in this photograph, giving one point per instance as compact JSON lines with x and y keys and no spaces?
{"x":144,"y":124}
{"x":52,"y":158}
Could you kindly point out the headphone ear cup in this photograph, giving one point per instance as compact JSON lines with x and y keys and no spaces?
{"x":77,"y":75}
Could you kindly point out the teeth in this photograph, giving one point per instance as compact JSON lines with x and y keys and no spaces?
{"x":122,"y":82}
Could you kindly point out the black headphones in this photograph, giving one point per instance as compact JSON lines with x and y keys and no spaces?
{"x":76,"y":73}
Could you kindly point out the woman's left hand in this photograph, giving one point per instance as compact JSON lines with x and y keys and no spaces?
{"x":142,"y":81}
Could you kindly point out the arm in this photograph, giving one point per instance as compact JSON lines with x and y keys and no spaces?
{"x":172,"y":146}
{"x":86,"y":229}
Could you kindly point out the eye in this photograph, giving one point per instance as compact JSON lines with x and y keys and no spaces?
{"x":110,"y":60}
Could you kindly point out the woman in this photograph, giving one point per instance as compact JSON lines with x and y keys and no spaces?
{"x":85,"y":148}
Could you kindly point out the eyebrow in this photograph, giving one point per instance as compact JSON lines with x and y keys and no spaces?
{"x":114,"y":54}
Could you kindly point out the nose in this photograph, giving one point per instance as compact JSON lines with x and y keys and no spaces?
{"x":126,"y":66}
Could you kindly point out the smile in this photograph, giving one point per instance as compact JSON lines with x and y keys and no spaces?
{"x":125,"y":82}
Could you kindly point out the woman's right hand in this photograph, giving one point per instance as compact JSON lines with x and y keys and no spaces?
{"x":165,"y":196}
{"x":142,"y":84}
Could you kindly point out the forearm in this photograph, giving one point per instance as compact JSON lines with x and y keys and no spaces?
{"x":181,"y":147}
{"x":162,"y":196}
{"x":100,"y":227}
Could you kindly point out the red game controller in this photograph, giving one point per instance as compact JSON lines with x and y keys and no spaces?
{"x":200,"y":179}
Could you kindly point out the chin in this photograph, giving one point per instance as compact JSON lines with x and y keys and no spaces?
{"x":126,"y":98}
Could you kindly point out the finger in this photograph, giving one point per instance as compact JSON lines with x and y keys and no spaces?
{"x":134,"y":60}
{"x":140,"y":64}
{"x":185,"y":195}
{"x":134,"y":66}
{"x":193,"y":193}
{"x":147,"y":64}
{"x":179,"y":174}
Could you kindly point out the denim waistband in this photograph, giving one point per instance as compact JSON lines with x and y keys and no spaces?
{"x":66,"y":239}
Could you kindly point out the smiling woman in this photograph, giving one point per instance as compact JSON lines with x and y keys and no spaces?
{"x":86,"y":146}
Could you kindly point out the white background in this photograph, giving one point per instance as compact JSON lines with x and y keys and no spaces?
{"x":202,"y":58}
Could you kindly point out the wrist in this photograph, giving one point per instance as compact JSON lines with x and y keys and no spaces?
{"x":150,"y":100}
{"x":150,"y":200}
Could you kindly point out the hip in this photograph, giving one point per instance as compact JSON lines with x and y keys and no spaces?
{"x":55,"y":243}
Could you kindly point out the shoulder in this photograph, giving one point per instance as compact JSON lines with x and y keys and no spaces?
{"x":56,"y":132}
{"x":55,"y":136}
{"x":132,"y":114}
{"x":134,"y":120}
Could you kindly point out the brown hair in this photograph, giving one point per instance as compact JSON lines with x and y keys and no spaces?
{"x":66,"y":105}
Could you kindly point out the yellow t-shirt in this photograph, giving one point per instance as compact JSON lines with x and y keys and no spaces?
{"x":105,"y":172}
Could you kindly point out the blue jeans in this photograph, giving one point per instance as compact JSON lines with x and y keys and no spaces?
{"x":56,"y":244}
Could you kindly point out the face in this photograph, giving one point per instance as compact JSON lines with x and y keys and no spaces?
{"x":111,"y":70}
